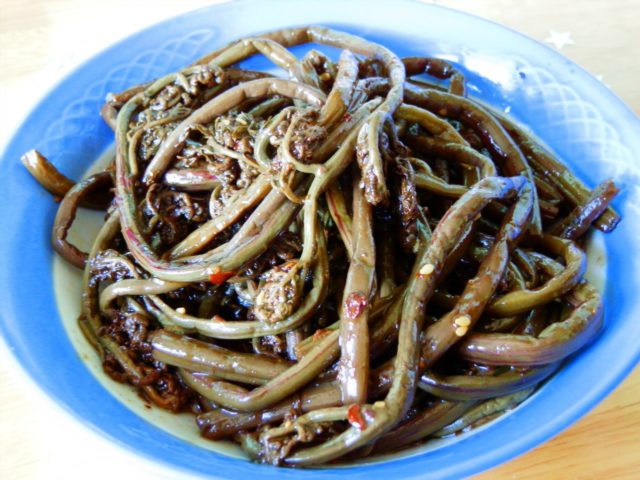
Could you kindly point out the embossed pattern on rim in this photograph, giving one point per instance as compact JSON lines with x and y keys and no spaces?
{"x":570,"y":110}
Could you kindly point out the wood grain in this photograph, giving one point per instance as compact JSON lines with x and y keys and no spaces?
{"x":39,"y":43}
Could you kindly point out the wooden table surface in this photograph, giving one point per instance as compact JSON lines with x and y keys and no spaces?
{"x":42,"y":40}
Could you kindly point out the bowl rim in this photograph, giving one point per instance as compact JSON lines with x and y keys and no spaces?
{"x":527,"y":442}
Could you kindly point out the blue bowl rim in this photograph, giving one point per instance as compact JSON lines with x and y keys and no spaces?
{"x":527,"y":442}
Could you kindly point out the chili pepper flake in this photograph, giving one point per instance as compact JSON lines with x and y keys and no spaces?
{"x":219,"y":277}
{"x":320,"y":334}
{"x":354,"y":415}
{"x":354,"y":304}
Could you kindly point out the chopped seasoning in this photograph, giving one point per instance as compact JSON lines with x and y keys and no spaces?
{"x":219,"y":277}
{"x":461,"y":331}
{"x":320,"y":334}
{"x":426,"y":269}
{"x":354,"y":305}
{"x":354,"y":415}
{"x":462,"y":321}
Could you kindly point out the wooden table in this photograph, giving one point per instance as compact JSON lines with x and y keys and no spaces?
{"x":42,"y":40}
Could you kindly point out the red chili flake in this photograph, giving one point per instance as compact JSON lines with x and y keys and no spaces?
{"x":354,"y":304}
{"x":125,"y":180}
{"x":218,"y":318}
{"x":219,"y":278}
{"x":347,"y":117}
{"x":355,"y":417}
{"x":320,"y":334}
{"x":130,"y":235}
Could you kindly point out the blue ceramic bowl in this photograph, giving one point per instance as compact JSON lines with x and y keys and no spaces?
{"x":572,"y":112}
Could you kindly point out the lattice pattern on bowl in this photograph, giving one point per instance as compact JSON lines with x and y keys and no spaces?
{"x":79,"y":132}
{"x":579,"y":123}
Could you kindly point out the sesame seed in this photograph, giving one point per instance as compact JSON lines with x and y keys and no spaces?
{"x":181,"y":310}
{"x":461,"y":331}
{"x":427,"y":269}
{"x":462,"y":321}
{"x":379,"y":404}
